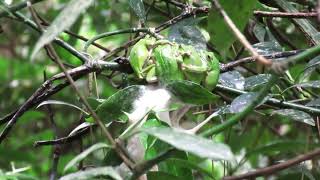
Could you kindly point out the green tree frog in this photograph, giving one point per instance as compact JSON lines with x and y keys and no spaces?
{"x":165,"y":61}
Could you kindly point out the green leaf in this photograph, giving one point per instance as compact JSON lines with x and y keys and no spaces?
{"x":282,"y":146}
{"x":314,"y":103}
{"x":312,"y":65}
{"x":61,"y":103}
{"x":267,"y":47}
{"x":93,"y":173}
{"x":4,"y":7}
{"x":296,"y":115}
{"x":239,"y":12}
{"x":306,"y":25}
{"x":94,"y":102}
{"x":310,"y":84}
{"x":120,"y":102}
{"x":189,"y":164}
{"x":84,"y":154}
{"x":186,"y":32}
{"x":81,"y":127}
{"x":242,"y":101}
{"x":62,"y":22}
{"x":138,"y":8}
{"x":158,"y":175}
{"x":191,"y":143}
{"x":232,"y":79}
{"x":255,"y":81}
{"x":191,"y":93}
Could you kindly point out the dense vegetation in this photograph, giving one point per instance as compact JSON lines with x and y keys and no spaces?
{"x":159,"y":89}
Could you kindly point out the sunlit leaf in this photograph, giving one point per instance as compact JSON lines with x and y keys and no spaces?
{"x":296,"y":115}
{"x":138,"y":8}
{"x":255,"y":81}
{"x":191,"y":93}
{"x":93,"y":173}
{"x":241,"y":102}
{"x":62,"y":22}
{"x":232,"y":79}
{"x":84,"y":154}
{"x":191,"y":143}
{"x":61,"y":103}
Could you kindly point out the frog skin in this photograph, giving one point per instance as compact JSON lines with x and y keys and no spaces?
{"x":167,"y":67}
{"x":140,"y":55}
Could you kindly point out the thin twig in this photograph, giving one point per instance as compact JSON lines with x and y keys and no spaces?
{"x":56,"y":149}
{"x":18,"y":6}
{"x":275,"y":168}
{"x":64,"y":140}
{"x":235,"y":63}
{"x":239,"y":35}
{"x":286,"y":14}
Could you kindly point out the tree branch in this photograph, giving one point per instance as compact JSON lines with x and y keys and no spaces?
{"x":275,"y":168}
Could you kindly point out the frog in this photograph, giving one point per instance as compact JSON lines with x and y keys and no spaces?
{"x":194,"y":64}
{"x":164,"y":61}
{"x":139,"y":57}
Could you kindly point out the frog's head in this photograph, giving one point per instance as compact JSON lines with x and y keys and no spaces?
{"x":193,"y":60}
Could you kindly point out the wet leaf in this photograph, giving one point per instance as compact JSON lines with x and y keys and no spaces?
{"x":232,"y":79}
{"x":120,"y":102}
{"x":138,"y":8}
{"x":260,"y":32}
{"x":186,"y":32}
{"x":310,"y":84}
{"x":255,"y":81}
{"x":296,"y":115}
{"x":241,"y":102}
{"x":266,"y":48}
{"x":93,"y":173}
{"x":191,"y":93}
{"x":305,"y":24}
{"x":191,"y":143}
{"x":84,"y":154}
{"x":63,"y":21}
{"x":314,"y":103}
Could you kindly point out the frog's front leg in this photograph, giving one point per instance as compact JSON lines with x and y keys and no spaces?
{"x":212,"y":76}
